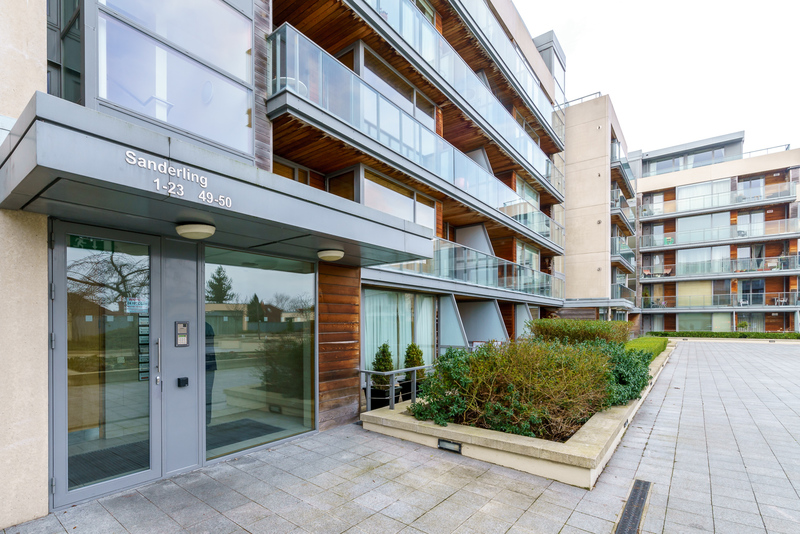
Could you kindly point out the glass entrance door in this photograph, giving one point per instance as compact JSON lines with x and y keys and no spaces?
{"x":105,"y":365}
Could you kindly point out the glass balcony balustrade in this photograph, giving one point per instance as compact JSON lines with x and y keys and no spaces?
{"x":776,"y":192}
{"x":409,"y":22}
{"x":491,"y":30}
{"x":620,"y":203}
{"x":620,"y":291}
{"x":720,"y":266}
{"x":455,"y":262}
{"x":722,"y":233}
{"x":301,"y":67}
{"x":619,"y":247}
{"x":788,"y":298}
{"x":618,"y":155}
{"x":704,"y":162}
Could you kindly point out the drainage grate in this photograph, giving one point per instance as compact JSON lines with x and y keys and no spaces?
{"x":634,"y":508}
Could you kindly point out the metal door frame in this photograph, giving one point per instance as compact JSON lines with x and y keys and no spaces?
{"x":60,"y":495}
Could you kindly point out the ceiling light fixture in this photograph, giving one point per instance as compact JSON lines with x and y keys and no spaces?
{"x":330,"y":255}
{"x":195,"y":231}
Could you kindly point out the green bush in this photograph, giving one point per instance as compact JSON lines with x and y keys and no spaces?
{"x":739,"y":335}
{"x":528,"y":387}
{"x":630,"y":369}
{"x":653,"y":345}
{"x":384,"y":361}
{"x":414,"y":359}
{"x":574,"y":331}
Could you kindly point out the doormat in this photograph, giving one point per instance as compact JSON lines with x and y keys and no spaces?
{"x":225,"y":434}
{"x":96,"y":466}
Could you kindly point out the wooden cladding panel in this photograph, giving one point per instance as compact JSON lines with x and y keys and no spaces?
{"x":505,"y":248}
{"x":339,"y":341}
{"x":262,"y":125}
{"x":770,"y":179}
{"x":509,"y":178}
{"x":316,"y":180}
{"x":669,"y":257}
{"x":670,"y":322}
{"x":778,"y":322}
{"x":775,"y":284}
{"x":793,"y":246}
{"x":669,"y":289}
{"x":669,"y":194}
{"x":734,"y":252}
{"x":440,"y":220}
{"x":669,"y":225}
{"x":775,"y":213}
{"x":773,"y":249}
{"x":507,"y":311}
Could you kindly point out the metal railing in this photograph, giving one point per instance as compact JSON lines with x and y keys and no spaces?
{"x":392,"y":383}
{"x":412,"y":26}
{"x":618,"y":156}
{"x":455,"y":262}
{"x":724,"y":159}
{"x":620,"y":203}
{"x":619,"y":247}
{"x":787,"y":298}
{"x":721,"y":233}
{"x":786,"y":190}
{"x":621,"y":291}
{"x":301,"y":67}
{"x":721,"y":266}
{"x":581,"y":100}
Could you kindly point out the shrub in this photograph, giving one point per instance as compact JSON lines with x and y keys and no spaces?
{"x":740,"y":335}
{"x":384,"y":361}
{"x":630,"y":369}
{"x":528,"y":387}
{"x":414,"y":359}
{"x":653,"y":345}
{"x":574,"y":331}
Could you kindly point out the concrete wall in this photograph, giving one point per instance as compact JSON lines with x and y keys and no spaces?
{"x":740,"y":167}
{"x":23,"y":367}
{"x":588,"y":197}
{"x":23,"y":288}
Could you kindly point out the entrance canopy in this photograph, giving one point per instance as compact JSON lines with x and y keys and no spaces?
{"x":77,"y":164}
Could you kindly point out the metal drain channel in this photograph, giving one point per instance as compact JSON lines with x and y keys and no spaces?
{"x":634,"y":508}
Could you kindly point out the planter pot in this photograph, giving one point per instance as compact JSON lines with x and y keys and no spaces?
{"x":381,"y":396}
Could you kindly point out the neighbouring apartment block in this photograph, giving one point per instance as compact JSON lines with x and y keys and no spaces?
{"x":718,"y":245}
{"x":214,"y":212}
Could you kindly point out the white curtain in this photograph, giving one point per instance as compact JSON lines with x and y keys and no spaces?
{"x":424,"y":327}
{"x":380,"y":314}
{"x":403,"y":321}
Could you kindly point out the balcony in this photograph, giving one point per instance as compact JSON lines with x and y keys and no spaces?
{"x":769,"y":194}
{"x":300,"y":67}
{"x":622,"y":214}
{"x":760,"y":266}
{"x":620,"y":291}
{"x":420,"y":35}
{"x":494,"y":38}
{"x":748,"y":300}
{"x":765,"y":231}
{"x":705,"y":162}
{"x":621,"y":169}
{"x":457,"y":263}
{"x":622,"y":256}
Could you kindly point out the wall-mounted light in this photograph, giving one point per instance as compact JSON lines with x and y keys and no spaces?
{"x":330,"y":255}
{"x":195,"y":231}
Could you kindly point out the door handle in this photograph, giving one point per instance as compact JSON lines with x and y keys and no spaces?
{"x":158,"y":364}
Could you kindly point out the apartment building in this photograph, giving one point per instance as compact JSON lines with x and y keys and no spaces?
{"x":600,"y":262}
{"x":214,"y":212}
{"x":718,"y":244}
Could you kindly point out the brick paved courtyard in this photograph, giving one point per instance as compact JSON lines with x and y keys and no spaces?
{"x":717,"y":437}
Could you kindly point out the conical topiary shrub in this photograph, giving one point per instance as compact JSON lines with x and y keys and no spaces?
{"x":384,"y":361}
{"x":414,"y":359}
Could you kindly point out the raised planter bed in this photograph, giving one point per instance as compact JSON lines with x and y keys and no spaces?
{"x":578,"y":461}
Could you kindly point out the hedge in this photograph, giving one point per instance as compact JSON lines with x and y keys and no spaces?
{"x":653,"y":345}
{"x":576,"y":331}
{"x":735,"y":335}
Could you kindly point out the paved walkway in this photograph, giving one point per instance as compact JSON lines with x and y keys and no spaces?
{"x":717,"y":436}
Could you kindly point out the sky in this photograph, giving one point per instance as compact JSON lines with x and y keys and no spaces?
{"x":682,"y":71}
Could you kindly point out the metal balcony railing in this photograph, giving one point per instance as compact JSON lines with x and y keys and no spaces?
{"x":788,"y":298}
{"x":721,"y":266}
{"x":784,"y":191}
{"x":724,"y":159}
{"x":301,"y":67}
{"x":455,"y":262}
{"x":722,"y":233}
{"x":620,"y":291}
{"x":619,"y":247}
{"x":618,"y":156}
{"x":621,"y":204}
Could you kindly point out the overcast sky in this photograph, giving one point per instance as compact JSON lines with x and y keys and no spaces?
{"x":681,"y":71}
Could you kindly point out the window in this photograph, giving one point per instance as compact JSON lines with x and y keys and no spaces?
{"x":527,"y":192}
{"x":750,"y":189}
{"x":694,"y":322}
{"x":528,"y":256}
{"x":750,"y":223}
{"x":701,"y":228}
{"x":427,"y":10}
{"x":751,"y":292}
{"x":703,"y":195}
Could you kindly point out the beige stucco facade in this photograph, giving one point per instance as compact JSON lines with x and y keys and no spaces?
{"x":588,"y":194}
{"x":23,"y":289}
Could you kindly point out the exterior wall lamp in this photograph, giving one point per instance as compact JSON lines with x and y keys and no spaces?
{"x":195,"y":231}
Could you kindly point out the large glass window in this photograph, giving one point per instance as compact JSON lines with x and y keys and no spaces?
{"x":259,"y":316}
{"x":208,"y":29}
{"x":398,"y":319}
{"x":750,"y":223}
{"x":703,"y":195}
{"x":750,"y":189}
{"x":695,"y":322}
{"x":751,"y":291}
{"x":704,"y":227}
{"x":388,"y":197}
{"x":140,"y":74}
